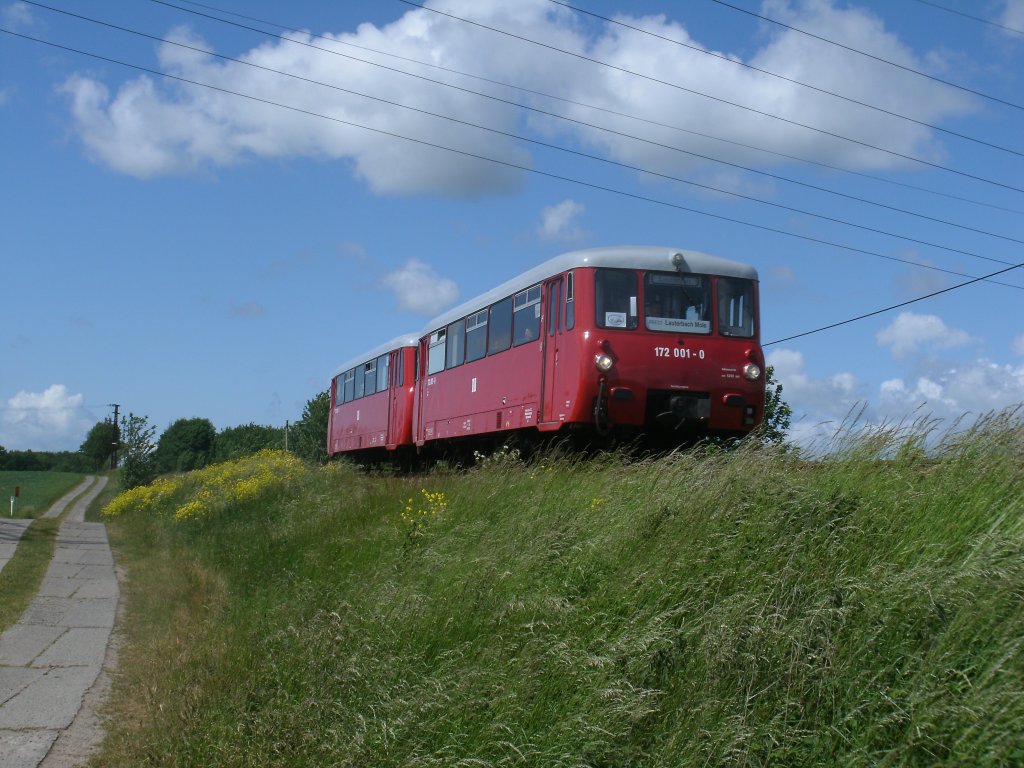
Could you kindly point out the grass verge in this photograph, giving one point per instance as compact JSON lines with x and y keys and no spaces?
{"x":21,"y":577}
{"x":94,"y":514}
{"x":702,"y":609}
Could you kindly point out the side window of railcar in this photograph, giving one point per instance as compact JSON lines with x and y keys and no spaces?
{"x":456,"y":344}
{"x":615,"y":298}
{"x":370,"y":374}
{"x":476,"y":336}
{"x":350,"y":385}
{"x":570,"y":305}
{"x":735,"y":307}
{"x":554,"y":304}
{"x":360,"y":382}
{"x":677,"y":303}
{"x":526,"y":316}
{"x":400,"y":369}
{"x":501,"y":327}
{"x":382,"y":373}
{"x":435,"y":356}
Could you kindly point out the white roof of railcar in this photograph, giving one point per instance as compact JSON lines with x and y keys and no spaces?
{"x":624,"y":256}
{"x":405,"y":340}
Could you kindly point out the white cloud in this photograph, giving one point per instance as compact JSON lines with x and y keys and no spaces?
{"x":560,"y":222}
{"x":52,"y":420}
{"x":910,"y":332}
{"x":418,"y":288}
{"x":17,"y":17}
{"x":925,"y":386}
{"x":819,"y":405}
{"x":1012,"y":16}
{"x":936,"y":390}
{"x":786,"y":53}
{"x":150,"y":128}
{"x":949,"y":392}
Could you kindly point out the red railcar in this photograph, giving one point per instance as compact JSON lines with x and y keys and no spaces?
{"x":631,"y":340}
{"x":372,"y":399}
{"x":626,"y":340}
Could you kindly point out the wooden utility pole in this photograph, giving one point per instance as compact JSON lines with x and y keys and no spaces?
{"x":116,"y":439}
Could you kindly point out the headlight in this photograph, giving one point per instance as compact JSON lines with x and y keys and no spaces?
{"x":752,"y":372}
{"x":604,"y":362}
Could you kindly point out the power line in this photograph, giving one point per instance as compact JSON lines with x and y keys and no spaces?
{"x":572,"y":102}
{"x":504,"y":163}
{"x":586,"y":155}
{"x":49,"y":407}
{"x":894,"y":306}
{"x":969,"y":16}
{"x":714,"y":98}
{"x":751,"y":67}
{"x":868,"y":55}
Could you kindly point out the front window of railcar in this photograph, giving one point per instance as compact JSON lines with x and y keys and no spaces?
{"x":615,"y":298}
{"x":735,"y":307}
{"x":677,"y":303}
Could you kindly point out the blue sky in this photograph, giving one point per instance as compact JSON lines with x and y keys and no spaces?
{"x":184,"y":251}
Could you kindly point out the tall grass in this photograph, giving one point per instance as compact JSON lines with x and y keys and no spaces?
{"x":741,"y":608}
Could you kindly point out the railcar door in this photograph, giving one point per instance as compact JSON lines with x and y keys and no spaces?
{"x":420,"y":401}
{"x":553,"y":335}
{"x":396,"y":399}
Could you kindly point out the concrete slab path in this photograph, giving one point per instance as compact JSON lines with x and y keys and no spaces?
{"x":11,"y":530}
{"x":61,"y":504}
{"x":53,"y":655}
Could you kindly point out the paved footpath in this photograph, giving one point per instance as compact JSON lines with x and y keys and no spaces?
{"x":12,"y":530}
{"x":53,"y":655}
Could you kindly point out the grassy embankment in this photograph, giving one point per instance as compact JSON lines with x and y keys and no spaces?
{"x":20,"y":578}
{"x":743,"y":609}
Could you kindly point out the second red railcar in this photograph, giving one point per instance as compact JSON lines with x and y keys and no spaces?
{"x":372,"y":400}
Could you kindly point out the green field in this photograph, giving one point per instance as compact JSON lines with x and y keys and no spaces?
{"x":701,"y":609}
{"x":38,"y":491}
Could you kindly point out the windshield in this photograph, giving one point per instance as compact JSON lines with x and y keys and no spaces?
{"x":735,"y":307}
{"x":677,"y":303}
{"x":615,"y":298}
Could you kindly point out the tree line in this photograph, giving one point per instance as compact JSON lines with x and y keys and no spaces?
{"x":184,"y":445}
{"x":194,"y":443}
